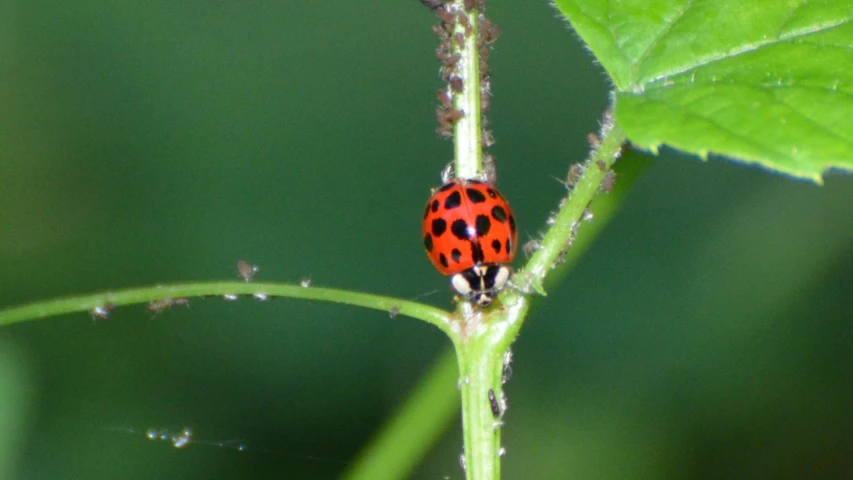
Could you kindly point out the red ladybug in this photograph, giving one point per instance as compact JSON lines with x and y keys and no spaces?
{"x":469,"y":233}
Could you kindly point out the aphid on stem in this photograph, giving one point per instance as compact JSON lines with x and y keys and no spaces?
{"x":101,"y":312}
{"x":157,"y":306}
{"x":246,"y":271}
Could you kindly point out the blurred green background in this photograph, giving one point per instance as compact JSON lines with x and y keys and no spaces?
{"x":707,"y":334}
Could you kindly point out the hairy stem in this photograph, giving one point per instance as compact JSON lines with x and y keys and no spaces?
{"x":584,"y":182}
{"x":487,"y":335}
{"x":467,"y":130}
{"x":165,"y":296}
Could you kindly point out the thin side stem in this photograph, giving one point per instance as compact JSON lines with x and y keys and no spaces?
{"x":566,"y":223}
{"x":178,"y":294}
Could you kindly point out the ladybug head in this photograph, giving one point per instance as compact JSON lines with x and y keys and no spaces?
{"x":481,"y":283}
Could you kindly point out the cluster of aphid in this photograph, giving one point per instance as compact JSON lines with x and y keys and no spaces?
{"x":245,"y":270}
{"x":453,"y":31}
{"x":575,"y":173}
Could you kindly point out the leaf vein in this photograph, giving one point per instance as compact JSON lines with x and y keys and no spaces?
{"x":660,"y":35}
{"x":751,"y":47}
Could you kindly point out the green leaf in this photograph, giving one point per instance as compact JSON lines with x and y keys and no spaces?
{"x":768,"y":82}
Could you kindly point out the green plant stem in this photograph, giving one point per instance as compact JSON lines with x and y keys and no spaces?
{"x":415,"y":428}
{"x":85,"y":303}
{"x":481,"y":368}
{"x":487,"y":335}
{"x":467,"y":135}
{"x":567,"y":221}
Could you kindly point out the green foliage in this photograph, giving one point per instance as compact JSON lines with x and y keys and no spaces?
{"x":767,"y":81}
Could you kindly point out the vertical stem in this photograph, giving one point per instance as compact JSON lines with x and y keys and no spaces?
{"x":467,"y":130}
{"x":481,"y":367}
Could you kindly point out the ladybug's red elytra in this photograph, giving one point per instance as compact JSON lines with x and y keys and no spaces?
{"x":469,"y":233}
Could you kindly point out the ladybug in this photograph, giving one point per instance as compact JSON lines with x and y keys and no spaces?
{"x":469,"y":233}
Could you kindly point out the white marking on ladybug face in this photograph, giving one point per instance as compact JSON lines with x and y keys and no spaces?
{"x":501,"y":277}
{"x":460,"y":284}
{"x":481,"y":283}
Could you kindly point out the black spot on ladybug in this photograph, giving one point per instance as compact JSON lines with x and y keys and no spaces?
{"x":439,"y":226}
{"x":456,"y":255}
{"x":477,"y":252}
{"x":446,"y":187}
{"x":428,"y":242}
{"x":475,"y":195}
{"x":496,"y":245}
{"x":483,"y":225}
{"x":434,"y":206}
{"x":443,"y":260}
{"x":499,"y":213}
{"x":492,"y":193}
{"x":453,"y":201}
{"x":512,"y":224}
{"x":459,"y":229}
{"x":508,"y":245}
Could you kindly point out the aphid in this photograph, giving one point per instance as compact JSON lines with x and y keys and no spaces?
{"x":102,"y":312}
{"x":488,"y":138}
{"x":305,"y":282}
{"x":469,"y":234}
{"x":444,"y":98}
{"x":230,"y":297}
{"x":440,"y":31}
{"x":447,"y":117}
{"x":261,"y":297}
{"x":393,"y":311}
{"x":451,"y":61}
{"x":607,"y":183}
{"x":246,"y":270}
{"x":493,"y":404}
{"x":593,"y":140}
{"x":447,"y":173}
{"x":530,"y":247}
{"x":157,"y":306}
{"x":507,"y":370}
{"x":490,"y":173}
{"x":575,"y":173}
